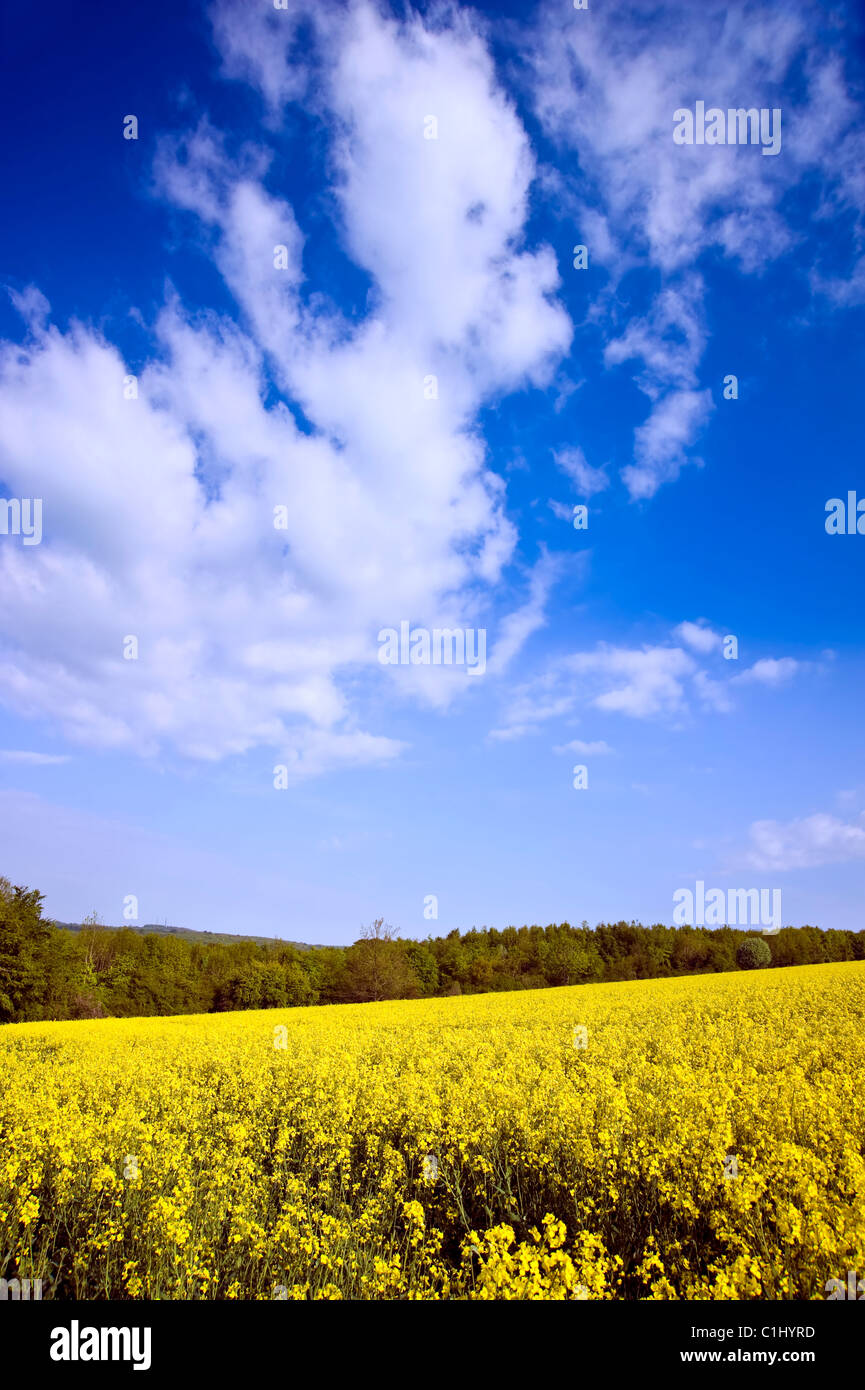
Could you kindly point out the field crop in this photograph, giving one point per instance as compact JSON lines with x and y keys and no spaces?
{"x":696,"y":1138}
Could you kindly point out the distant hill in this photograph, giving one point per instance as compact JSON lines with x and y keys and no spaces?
{"x":202,"y":937}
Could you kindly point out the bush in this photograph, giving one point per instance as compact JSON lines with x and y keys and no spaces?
{"x":753,"y":954}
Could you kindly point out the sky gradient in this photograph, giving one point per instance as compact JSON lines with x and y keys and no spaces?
{"x":426,"y":386}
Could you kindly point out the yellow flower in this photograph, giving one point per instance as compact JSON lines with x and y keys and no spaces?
{"x":187,"y":1158}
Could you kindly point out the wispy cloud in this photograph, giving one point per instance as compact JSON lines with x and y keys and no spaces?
{"x":19,"y":755}
{"x":606,"y":93}
{"x":654,"y":681}
{"x":516,"y":627}
{"x":577,"y":745}
{"x":586,"y":479}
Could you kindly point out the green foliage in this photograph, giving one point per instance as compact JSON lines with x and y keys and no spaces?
{"x":25,"y":957}
{"x":753,"y":954}
{"x":425,"y":966}
{"x":378,"y":967}
{"x":48,"y":972}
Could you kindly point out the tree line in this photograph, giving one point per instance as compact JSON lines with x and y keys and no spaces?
{"x":48,"y":972}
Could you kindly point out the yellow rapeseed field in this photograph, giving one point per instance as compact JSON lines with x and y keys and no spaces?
{"x":687,"y":1138}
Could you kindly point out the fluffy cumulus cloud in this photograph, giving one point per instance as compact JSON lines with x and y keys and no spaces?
{"x":699,"y":636}
{"x":159,"y":511}
{"x":359,"y":431}
{"x":805,"y":843}
{"x":638,"y":683}
{"x":605,"y":86}
{"x":770,"y":671}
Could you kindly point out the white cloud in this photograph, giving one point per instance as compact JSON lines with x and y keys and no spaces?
{"x":661,"y":444}
{"x":770,"y":671}
{"x":712,"y":692}
{"x":533,"y":703}
{"x":515,"y":629}
{"x":606,"y":92}
{"x":805,"y":843}
{"x":577,"y":745}
{"x":699,"y":636}
{"x":640,"y":683}
{"x":587,"y":480}
{"x":320,"y":750}
{"x":648,"y":682}
{"x":668,"y":341}
{"x":15,"y":755}
{"x":509,"y":733}
{"x":158,"y":512}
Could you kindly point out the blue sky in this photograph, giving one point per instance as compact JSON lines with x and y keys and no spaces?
{"x":301,"y":385}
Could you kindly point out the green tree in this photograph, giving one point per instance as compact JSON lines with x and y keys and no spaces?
{"x":423,"y":963}
{"x":564,"y":960}
{"x":753,"y":954}
{"x":377,"y":967}
{"x":24,"y":953}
